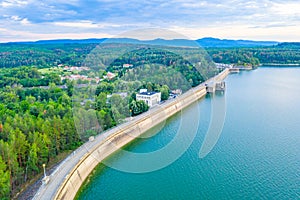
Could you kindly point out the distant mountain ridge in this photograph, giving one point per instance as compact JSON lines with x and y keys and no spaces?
{"x":204,"y":42}
{"x":215,"y":42}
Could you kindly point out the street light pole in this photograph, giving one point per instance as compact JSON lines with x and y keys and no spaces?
{"x":46,"y":178}
{"x":130,"y":114}
{"x":44,"y":165}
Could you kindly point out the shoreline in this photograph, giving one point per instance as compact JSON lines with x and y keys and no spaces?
{"x":276,"y":64}
{"x":69,"y":177}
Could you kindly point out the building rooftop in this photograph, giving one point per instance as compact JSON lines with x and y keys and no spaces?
{"x":148,"y":93}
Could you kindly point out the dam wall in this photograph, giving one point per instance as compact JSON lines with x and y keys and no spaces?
{"x":126,"y":134}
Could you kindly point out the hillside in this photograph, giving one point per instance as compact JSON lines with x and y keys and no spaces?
{"x":204,"y":42}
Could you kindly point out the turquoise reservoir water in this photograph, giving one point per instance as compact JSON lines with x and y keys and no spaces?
{"x":256,"y":157}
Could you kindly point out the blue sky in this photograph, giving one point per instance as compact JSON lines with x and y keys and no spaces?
{"x":277,"y":20}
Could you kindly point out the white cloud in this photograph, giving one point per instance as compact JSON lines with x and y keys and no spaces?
{"x":85,"y":24}
{"x":242,"y":31}
{"x":286,"y":9}
{"x":200,"y":4}
{"x":25,"y":21}
{"x":11,"y":35}
{"x":79,"y":24}
{"x":15,"y":18}
{"x":11,"y":3}
{"x":69,"y":2}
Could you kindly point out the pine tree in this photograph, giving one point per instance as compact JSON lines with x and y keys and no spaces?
{"x":4,"y":180}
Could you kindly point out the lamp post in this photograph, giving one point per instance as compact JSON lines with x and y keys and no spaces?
{"x":44,"y":165}
{"x":130,"y":114}
{"x":46,"y":178}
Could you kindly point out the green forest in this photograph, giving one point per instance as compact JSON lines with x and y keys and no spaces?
{"x":285,"y":53}
{"x":44,"y":115}
{"x":45,"y":55}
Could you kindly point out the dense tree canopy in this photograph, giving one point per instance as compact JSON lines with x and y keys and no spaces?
{"x":45,"y":55}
